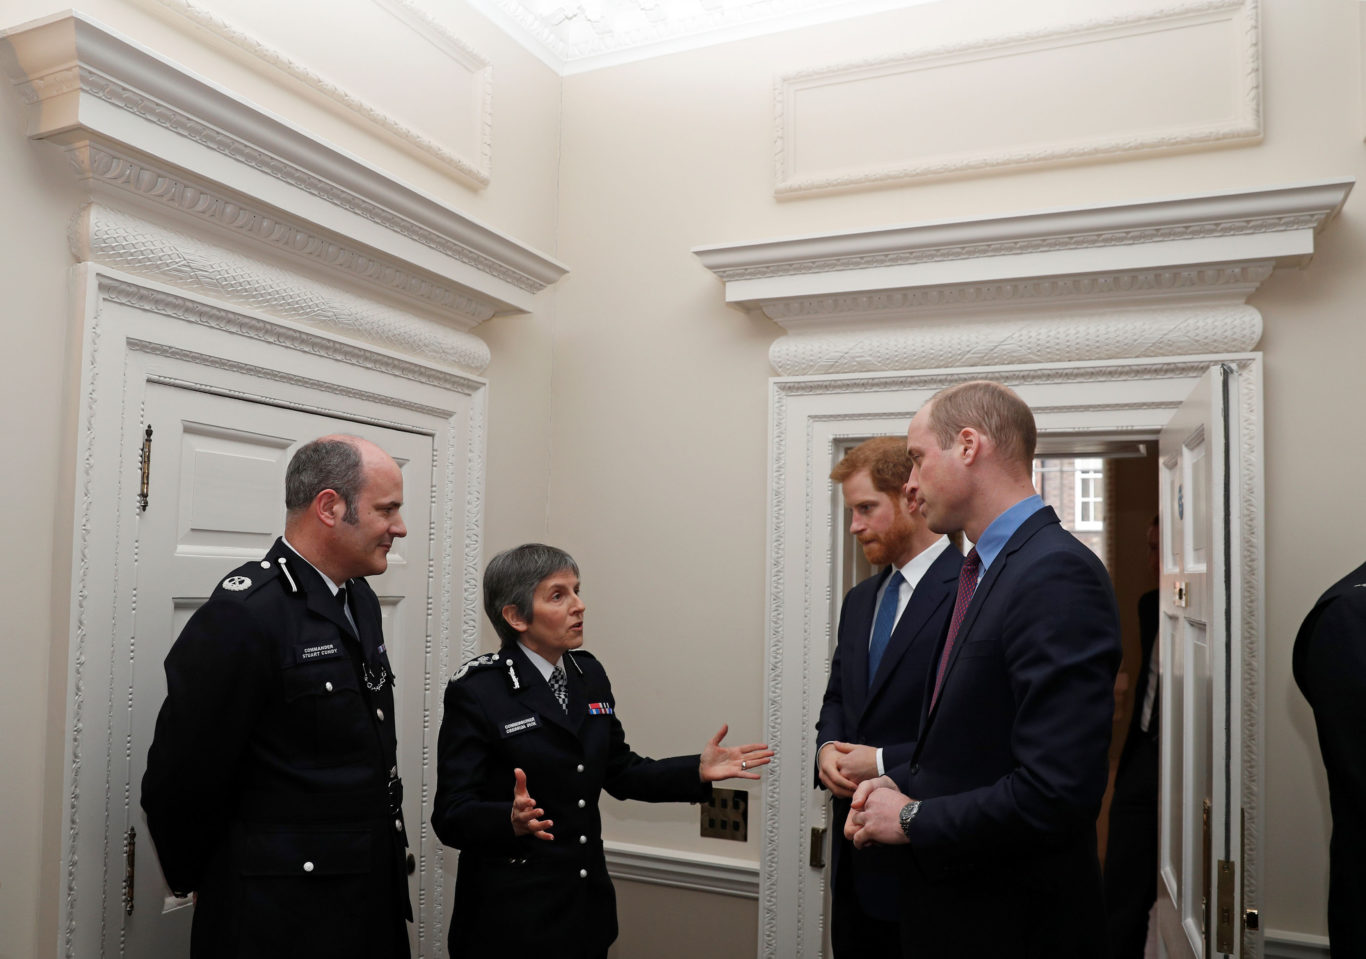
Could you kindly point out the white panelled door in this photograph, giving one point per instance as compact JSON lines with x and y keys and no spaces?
{"x":1200,"y":845}
{"x":216,"y":500}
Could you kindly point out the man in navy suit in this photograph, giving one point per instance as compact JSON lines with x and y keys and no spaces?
{"x":887,"y":637}
{"x":1000,"y":797}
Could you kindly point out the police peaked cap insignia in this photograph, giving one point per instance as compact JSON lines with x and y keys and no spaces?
{"x":488,"y":659}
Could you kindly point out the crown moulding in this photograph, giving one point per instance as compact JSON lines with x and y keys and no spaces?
{"x":1164,"y":277}
{"x":88,"y":87}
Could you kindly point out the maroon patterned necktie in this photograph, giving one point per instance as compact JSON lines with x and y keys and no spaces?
{"x":967,"y":585}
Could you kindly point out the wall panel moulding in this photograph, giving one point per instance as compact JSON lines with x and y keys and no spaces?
{"x":168,"y":156}
{"x":1167,"y":277}
{"x":453,"y":132}
{"x":863,"y":124}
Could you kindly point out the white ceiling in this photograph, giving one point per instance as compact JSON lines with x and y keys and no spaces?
{"x":578,"y":35}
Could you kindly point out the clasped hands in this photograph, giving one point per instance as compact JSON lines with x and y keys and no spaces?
{"x":844,"y":765}
{"x":875,"y":814}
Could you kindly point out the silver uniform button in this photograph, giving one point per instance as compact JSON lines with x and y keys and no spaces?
{"x":265,"y":564}
{"x":582,"y":804}
{"x":579,"y":768}
{"x":380,"y":714}
{"x":327,"y":686}
{"x":583,"y":873}
{"x":583,"y":840}
{"x":398,"y":825}
{"x":308,"y":867}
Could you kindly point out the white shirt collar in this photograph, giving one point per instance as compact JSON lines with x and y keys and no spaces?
{"x":543,"y":665}
{"x":326,"y":579}
{"x":915,"y":570}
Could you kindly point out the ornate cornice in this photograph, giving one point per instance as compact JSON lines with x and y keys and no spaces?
{"x":1079,"y":336}
{"x":71,"y":69}
{"x":259,"y":225}
{"x":1134,"y":288}
{"x":117,"y":239}
{"x":1165,"y":277}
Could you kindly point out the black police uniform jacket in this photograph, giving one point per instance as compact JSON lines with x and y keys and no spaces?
{"x":519,"y":895}
{"x":271,"y":786}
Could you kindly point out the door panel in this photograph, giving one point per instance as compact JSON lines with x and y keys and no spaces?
{"x":216,"y":500}
{"x":1200,"y":766}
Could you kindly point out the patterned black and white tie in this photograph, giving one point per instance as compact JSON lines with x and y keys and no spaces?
{"x":559,"y":687}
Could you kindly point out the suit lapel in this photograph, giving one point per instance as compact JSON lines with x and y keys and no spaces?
{"x":856,"y":688}
{"x":935,"y":588}
{"x":318,"y":597}
{"x":536,"y":692}
{"x":576,"y":692}
{"x":980,"y":597}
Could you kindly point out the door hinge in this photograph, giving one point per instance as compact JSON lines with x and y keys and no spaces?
{"x":129,"y":870}
{"x":146,"y":469}
{"x":1224,"y":922}
{"x":816,"y":854}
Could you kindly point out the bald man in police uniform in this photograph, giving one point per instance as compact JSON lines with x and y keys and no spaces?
{"x":529,"y":741}
{"x":272,"y":787}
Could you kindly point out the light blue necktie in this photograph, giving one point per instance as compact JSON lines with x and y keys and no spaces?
{"x":883,"y":624}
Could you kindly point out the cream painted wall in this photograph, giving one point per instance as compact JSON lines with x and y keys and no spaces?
{"x":521,"y":197}
{"x":38,"y":414}
{"x":665,"y":386}
{"x":628,"y":413}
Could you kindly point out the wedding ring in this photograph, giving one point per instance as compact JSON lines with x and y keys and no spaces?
{"x":744,"y":765}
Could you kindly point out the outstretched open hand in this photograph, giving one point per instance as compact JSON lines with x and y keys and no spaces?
{"x":526,"y":819}
{"x":732,"y":762}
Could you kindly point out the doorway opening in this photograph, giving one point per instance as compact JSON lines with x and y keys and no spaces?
{"x":1084,"y":410}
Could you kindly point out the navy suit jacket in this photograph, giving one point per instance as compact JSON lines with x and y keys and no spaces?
{"x":887,"y":714}
{"x":1011,"y":762}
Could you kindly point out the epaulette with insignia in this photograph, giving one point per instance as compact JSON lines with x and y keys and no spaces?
{"x":248,"y":578}
{"x":478,"y":662}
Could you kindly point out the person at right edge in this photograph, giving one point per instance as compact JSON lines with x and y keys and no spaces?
{"x":1330,"y":668}
{"x":999,"y":800}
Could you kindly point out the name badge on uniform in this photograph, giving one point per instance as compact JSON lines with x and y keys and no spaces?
{"x":316,"y":651}
{"x":520,"y":725}
{"x":599,"y":709}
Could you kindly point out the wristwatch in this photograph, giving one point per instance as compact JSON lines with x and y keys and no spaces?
{"x":908,"y":813}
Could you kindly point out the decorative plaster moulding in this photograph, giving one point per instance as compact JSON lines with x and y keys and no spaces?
{"x":473,"y":74}
{"x":142,"y":130}
{"x":1159,"y":278}
{"x":862,"y":124}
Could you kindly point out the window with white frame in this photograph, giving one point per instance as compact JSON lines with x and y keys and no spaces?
{"x":1090,"y":497}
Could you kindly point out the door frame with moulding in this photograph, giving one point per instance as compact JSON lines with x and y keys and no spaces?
{"x":136,"y":334}
{"x":810,"y":419}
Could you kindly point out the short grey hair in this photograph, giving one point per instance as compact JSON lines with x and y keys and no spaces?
{"x":323,"y":464}
{"x":511,"y":578}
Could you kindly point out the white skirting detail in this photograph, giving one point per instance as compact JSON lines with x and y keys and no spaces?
{"x":1294,"y":945}
{"x":684,"y":870}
